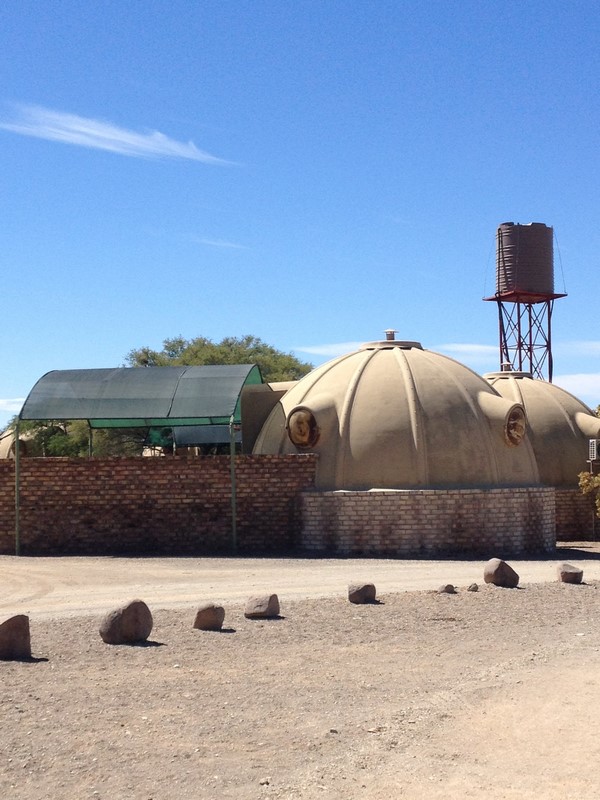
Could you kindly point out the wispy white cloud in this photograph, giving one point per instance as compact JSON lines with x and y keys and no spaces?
{"x":475,"y":355}
{"x":400,"y":220}
{"x":59,"y":126}
{"x":11,"y":405}
{"x":485,"y":351}
{"x":222,"y":243}
{"x":472,"y":352}
{"x":584,"y":385}
{"x":577,"y":347}
{"x":467,"y":349}
{"x":335,"y":349}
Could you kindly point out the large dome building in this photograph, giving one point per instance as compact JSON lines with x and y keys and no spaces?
{"x":417,"y":455}
{"x":395,"y":416}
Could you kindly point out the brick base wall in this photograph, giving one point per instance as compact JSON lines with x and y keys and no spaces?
{"x":576,"y":520}
{"x":411,"y":524}
{"x":180,"y":506}
{"x":166,"y":506}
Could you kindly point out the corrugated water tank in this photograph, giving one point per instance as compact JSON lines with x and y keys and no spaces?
{"x":524,"y":258}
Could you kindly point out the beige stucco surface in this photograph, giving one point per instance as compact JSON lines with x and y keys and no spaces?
{"x":6,"y":444}
{"x":393,"y":415}
{"x":559,"y":425}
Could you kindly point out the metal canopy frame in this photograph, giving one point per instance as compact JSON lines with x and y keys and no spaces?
{"x":130,"y":397}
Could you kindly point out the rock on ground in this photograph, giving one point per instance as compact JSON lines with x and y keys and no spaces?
{"x":500,"y":573}
{"x":15,"y":639}
{"x":362,"y":593}
{"x":127,"y":625}
{"x":262,"y":607}
{"x":209,"y":617}
{"x":568,"y":573}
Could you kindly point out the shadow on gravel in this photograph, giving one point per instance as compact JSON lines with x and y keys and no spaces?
{"x":220,"y":630}
{"x":145,"y":643}
{"x":579,"y":552}
{"x":28,"y":660}
{"x":376,"y":602}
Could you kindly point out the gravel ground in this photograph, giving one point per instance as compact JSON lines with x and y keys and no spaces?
{"x":422,"y":695}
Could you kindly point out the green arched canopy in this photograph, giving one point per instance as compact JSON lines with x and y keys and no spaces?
{"x":129,"y":397}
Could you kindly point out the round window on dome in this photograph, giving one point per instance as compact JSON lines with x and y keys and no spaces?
{"x":302,"y":428}
{"x":515,"y":427}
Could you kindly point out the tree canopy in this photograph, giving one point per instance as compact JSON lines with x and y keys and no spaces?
{"x":274,"y":364}
{"x":72,"y":438}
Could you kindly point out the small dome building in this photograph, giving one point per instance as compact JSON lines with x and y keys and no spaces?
{"x":559,"y":425}
{"x":417,"y":455}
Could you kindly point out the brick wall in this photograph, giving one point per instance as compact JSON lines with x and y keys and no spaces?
{"x":412,"y":524}
{"x":575,"y":517}
{"x":181,"y":506}
{"x":7,"y":503}
{"x":153,"y":505}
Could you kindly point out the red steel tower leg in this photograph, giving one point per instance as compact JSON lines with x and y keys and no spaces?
{"x":526,"y":337}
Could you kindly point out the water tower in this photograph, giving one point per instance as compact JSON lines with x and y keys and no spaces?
{"x":525,"y":296}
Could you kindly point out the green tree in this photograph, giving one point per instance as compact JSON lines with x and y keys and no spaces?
{"x":72,"y":438}
{"x":47,"y":437}
{"x":274,"y":364}
{"x":590,"y":484}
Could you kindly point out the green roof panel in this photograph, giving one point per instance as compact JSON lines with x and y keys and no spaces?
{"x":129,"y":397}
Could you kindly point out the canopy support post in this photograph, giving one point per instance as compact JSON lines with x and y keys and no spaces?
{"x":233,"y":486}
{"x":17,"y":490}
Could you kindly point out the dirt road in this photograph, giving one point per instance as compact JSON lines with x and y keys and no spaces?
{"x":54,"y":587}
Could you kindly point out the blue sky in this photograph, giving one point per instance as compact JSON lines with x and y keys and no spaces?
{"x":308,"y":172}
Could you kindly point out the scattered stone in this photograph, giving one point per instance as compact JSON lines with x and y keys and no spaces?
{"x":568,"y":573}
{"x":500,"y":573}
{"x":127,"y":625}
{"x":360,"y":593}
{"x":15,"y":640}
{"x":447,"y":588}
{"x":264,"y":781}
{"x":263,"y":607}
{"x":209,"y":617}
{"x":473,"y":588}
